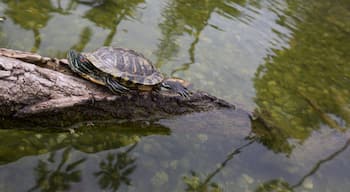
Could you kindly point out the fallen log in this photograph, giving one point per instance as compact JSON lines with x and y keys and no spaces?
{"x":43,"y":90}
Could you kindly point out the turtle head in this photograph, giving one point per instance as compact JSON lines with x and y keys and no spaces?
{"x":177,"y":85}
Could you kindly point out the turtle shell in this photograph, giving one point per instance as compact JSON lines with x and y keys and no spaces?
{"x":125,"y":64}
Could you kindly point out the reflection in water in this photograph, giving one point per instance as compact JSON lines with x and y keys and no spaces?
{"x":115,"y":169}
{"x":194,"y":183}
{"x":183,"y":17}
{"x":306,"y":86}
{"x":31,"y":15}
{"x":102,"y":136}
{"x":84,"y":39}
{"x":66,"y":6}
{"x":317,"y":166}
{"x":299,"y":89}
{"x":59,"y":178}
{"x":277,"y":185}
{"x":35,"y":15}
{"x":109,"y":13}
{"x":281,"y":185}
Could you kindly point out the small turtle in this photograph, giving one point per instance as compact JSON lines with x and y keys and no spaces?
{"x":122,"y":70}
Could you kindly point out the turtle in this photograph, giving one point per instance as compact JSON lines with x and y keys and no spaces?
{"x":122,"y":70}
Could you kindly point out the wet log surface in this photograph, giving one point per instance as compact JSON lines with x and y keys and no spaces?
{"x":44,"y":90}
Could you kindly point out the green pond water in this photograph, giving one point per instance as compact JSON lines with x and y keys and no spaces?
{"x":289,"y":59}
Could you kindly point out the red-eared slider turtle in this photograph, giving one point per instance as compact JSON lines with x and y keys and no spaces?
{"x":121,"y":70}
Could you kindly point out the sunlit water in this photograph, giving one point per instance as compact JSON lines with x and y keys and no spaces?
{"x":288,"y":58}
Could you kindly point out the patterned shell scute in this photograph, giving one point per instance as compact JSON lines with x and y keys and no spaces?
{"x":125,"y":64}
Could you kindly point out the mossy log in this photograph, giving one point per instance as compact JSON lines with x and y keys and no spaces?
{"x":43,"y":89}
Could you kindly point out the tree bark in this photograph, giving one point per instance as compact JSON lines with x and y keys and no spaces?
{"x":42,"y":89}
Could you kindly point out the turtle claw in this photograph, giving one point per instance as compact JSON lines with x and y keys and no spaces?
{"x":184,"y":92}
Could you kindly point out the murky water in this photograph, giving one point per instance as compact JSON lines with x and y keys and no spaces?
{"x":288,"y":58}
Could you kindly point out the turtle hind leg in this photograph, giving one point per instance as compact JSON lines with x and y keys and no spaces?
{"x":115,"y":86}
{"x":177,"y":87}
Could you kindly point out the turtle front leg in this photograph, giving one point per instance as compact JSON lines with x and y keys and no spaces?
{"x":177,"y":86}
{"x":115,"y":86}
{"x":79,"y":64}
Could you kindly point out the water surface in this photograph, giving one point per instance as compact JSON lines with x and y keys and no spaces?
{"x":289,"y":59}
